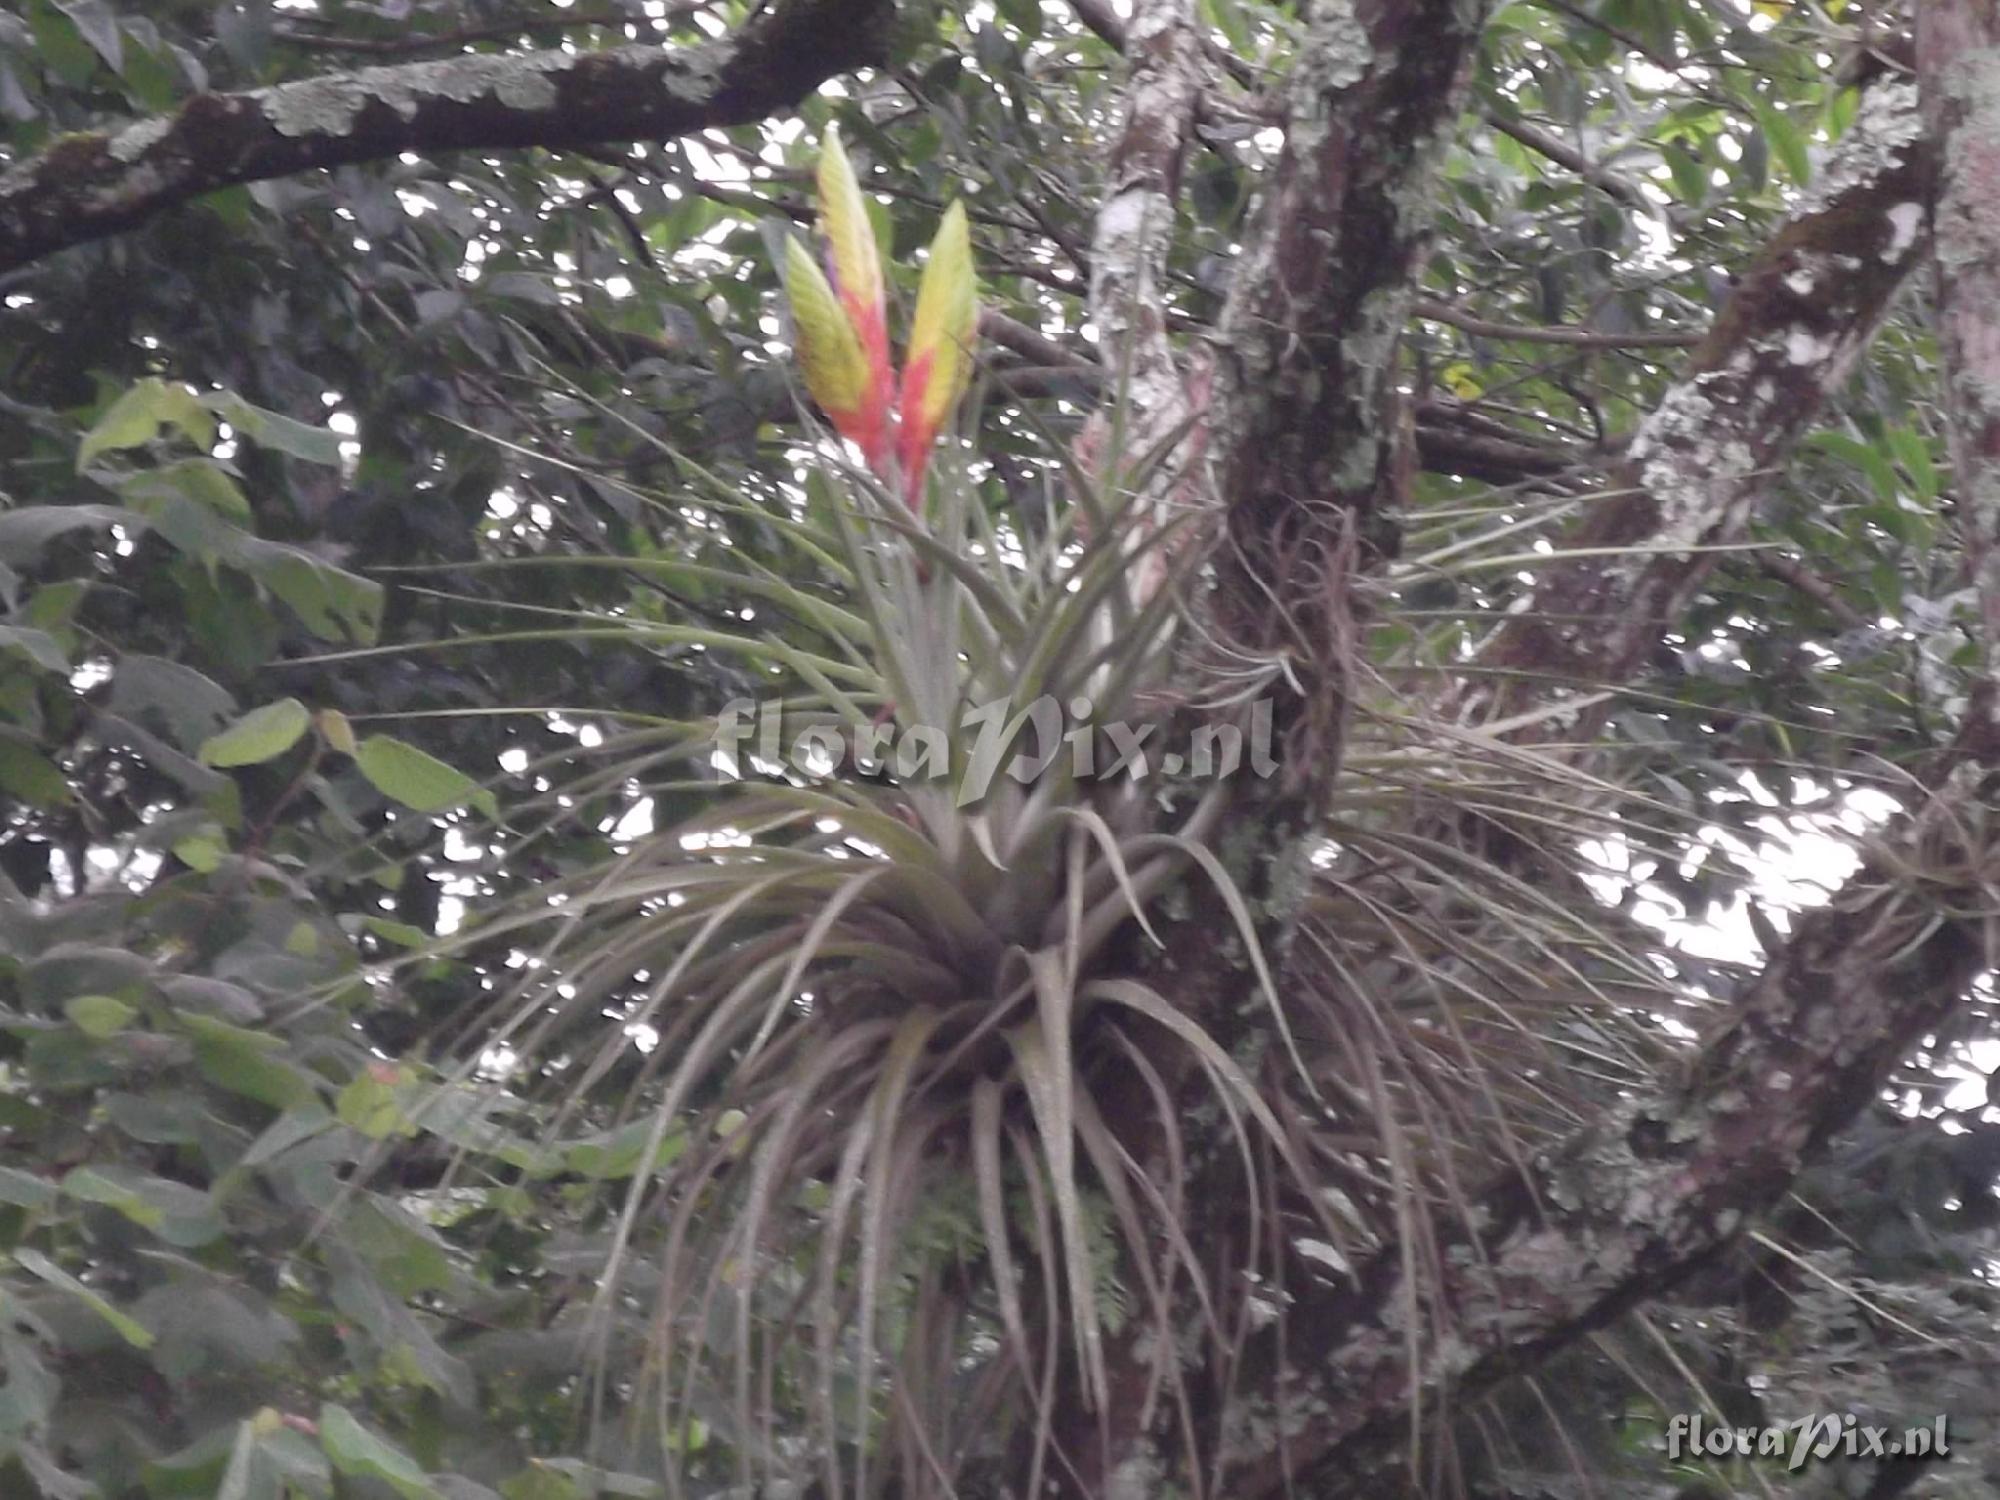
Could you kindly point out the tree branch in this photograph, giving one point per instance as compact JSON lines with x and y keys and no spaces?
{"x":1627,"y":1210}
{"x":1301,"y":427}
{"x":1576,"y":338}
{"x":1130,"y":246}
{"x":1958,"y":57}
{"x":1099,"y":16}
{"x":1783,"y":343}
{"x":88,"y":186}
{"x":1821,"y":590}
{"x":1299,"y":454}
{"x":403,"y":46}
{"x":1556,"y":149}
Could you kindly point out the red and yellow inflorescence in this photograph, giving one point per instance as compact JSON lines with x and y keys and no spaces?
{"x":843,"y":330}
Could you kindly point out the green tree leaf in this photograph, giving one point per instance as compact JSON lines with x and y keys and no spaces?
{"x":260,"y":735}
{"x":270,"y":429}
{"x":358,"y":1452}
{"x":37,"y":1264}
{"x":97,"y":23}
{"x":241,"y":1062}
{"x":370,"y":1105}
{"x":99,"y":1016}
{"x":136,"y":418}
{"x":31,"y":776}
{"x":416,"y":778}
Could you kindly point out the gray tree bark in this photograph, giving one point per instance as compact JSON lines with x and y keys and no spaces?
{"x":99,"y":183}
{"x":1304,"y":455}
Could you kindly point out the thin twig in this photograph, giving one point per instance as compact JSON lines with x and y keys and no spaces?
{"x":1556,"y":149}
{"x":606,"y":192}
{"x":1820,"y":590}
{"x":1579,"y":338}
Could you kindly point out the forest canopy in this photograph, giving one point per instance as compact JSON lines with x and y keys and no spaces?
{"x":1101,"y":748}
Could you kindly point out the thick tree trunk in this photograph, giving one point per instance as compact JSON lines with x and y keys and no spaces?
{"x":1958,"y":56}
{"x":1303,"y":455}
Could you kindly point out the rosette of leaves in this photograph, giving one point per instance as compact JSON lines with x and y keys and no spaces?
{"x":851,"y":1019}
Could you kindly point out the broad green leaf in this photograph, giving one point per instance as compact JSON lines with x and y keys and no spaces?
{"x":136,"y":418}
{"x":29,"y":775}
{"x":572,"y":1479}
{"x":26,"y":531}
{"x":97,"y":23}
{"x":1027,"y":16}
{"x":37,"y":1264}
{"x":1913,"y":452}
{"x":270,"y":429}
{"x":237,"y":1479}
{"x":539,"y":1482}
{"x":1863,"y":456}
{"x":358,"y":1452}
{"x":24,"y":1190}
{"x":336,"y":731}
{"x":260,"y":735}
{"x":1788,"y":142}
{"x":153,"y":77}
{"x":38,"y":646}
{"x":619,"y":1153}
{"x":88,"y":1185}
{"x":370,"y":1105}
{"x":404,"y":1251}
{"x":199,"y":479}
{"x":203,"y":851}
{"x":61,"y":46}
{"x":288,"y":1130}
{"x":241,"y":1062}
{"x":333,"y":603}
{"x":99,"y":1016}
{"x":416,"y":778}
{"x":1689,"y":173}
{"x":177,"y":1213}
{"x":402,"y":934}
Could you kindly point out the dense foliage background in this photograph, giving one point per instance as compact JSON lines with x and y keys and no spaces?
{"x":376,"y":541}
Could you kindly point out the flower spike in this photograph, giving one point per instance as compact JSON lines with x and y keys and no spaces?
{"x":939,"y":365}
{"x":835,"y":367}
{"x":856,"y":264}
{"x":843,"y":330}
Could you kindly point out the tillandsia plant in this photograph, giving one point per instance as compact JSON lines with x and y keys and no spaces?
{"x":849,"y":1049}
{"x":849,"y":1053}
{"x":843,"y":331}
{"x":893,"y":1006}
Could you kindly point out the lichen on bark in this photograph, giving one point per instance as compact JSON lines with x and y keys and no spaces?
{"x":109,"y":182}
{"x":330,"y":105}
{"x":1690,"y":478}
